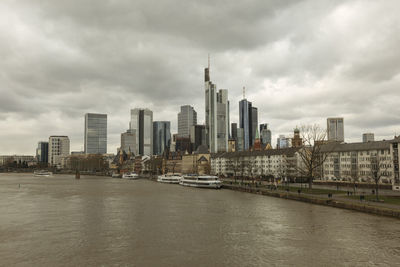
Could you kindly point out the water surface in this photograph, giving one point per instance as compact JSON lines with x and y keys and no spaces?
{"x":60,"y":221}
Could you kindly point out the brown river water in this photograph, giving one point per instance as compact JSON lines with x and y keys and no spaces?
{"x":100,"y":221}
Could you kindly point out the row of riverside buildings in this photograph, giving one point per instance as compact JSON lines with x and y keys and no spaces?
{"x":343,"y":162}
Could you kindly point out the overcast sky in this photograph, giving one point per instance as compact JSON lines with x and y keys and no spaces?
{"x":301,"y":62}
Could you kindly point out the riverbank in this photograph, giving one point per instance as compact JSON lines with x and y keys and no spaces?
{"x":349,"y":204}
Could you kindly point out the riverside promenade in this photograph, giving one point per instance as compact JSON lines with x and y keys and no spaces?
{"x":326,"y":197}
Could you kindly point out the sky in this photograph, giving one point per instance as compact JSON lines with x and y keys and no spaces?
{"x":300,"y":61}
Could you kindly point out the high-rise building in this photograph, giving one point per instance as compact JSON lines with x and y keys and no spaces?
{"x":187,"y":117}
{"x":128,"y":141}
{"x":245,"y":122}
{"x":161,"y":136}
{"x":222,"y":120}
{"x":95,"y":133}
{"x":42,"y":152}
{"x":234,"y":130}
{"x":217,"y":115}
{"x":240,"y":140}
{"x":142,"y":124}
{"x":335,"y":129}
{"x":197,"y":136}
{"x":282,"y":142}
{"x":254,"y":124}
{"x":58,"y":148}
{"x":265,"y":134}
{"x":368,"y":137}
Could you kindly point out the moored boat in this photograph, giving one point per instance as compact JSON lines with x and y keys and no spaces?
{"x":203,"y":181}
{"x":130,"y":175}
{"x":169,"y":178}
{"x":42,"y":173}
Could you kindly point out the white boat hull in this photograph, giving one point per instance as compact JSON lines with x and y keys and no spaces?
{"x":201,"y":182}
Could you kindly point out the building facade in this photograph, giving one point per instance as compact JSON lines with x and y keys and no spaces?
{"x":142,"y":125}
{"x":217,"y":115}
{"x":282,"y":142}
{"x":254,"y":124}
{"x":265,"y":134}
{"x":245,"y":122}
{"x":42,"y":152}
{"x":128,"y":141}
{"x":187,"y":117}
{"x":335,"y":129}
{"x":198,"y":136}
{"x":95,"y":139}
{"x":59,"y":147}
{"x":356,"y":161}
{"x":240,"y":140}
{"x":368,"y":137}
{"x":161,"y":136}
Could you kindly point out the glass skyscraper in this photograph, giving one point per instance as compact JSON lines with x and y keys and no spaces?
{"x":161,"y":136}
{"x":95,"y":133}
{"x":142,"y":125}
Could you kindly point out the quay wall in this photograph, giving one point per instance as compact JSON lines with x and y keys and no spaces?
{"x":361,"y":207}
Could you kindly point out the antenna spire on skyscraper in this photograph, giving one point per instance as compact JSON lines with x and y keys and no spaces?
{"x":208,"y":60}
{"x":244,"y":92}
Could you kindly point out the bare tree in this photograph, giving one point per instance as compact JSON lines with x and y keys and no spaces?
{"x":377,"y":170}
{"x":354,"y":173}
{"x":310,"y":154}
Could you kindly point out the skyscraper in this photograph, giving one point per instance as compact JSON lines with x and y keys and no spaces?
{"x":128,"y":141}
{"x":222,"y":120}
{"x":240,"y":140}
{"x":197,"y":136}
{"x":217,"y":115}
{"x":335,"y":129}
{"x":234,"y":130}
{"x":95,"y":133}
{"x":254,"y":124}
{"x":161,"y":136}
{"x":58,"y":148}
{"x":265,"y":134}
{"x":245,"y":122}
{"x":142,"y":125}
{"x":42,"y":152}
{"x":282,"y":142}
{"x":187,"y":117}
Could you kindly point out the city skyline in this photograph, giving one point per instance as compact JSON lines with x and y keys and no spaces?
{"x":50,"y":76}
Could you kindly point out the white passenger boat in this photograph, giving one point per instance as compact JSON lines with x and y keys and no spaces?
{"x":42,"y":173}
{"x":130,"y":175}
{"x":204,"y":181}
{"x":169,"y":178}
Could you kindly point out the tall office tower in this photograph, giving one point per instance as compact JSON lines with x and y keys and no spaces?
{"x":128,"y":141}
{"x":240,"y":140}
{"x":335,"y":128}
{"x":58,"y":148}
{"x":222,"y":120}
{"x":368,"y":137}
{"x":265,"y":134}
{"x":161,"y":136}
{"x":217,"y":115}
{"x":197,"y":136}
{"x":187,"y":117}
{"x":42,"y":152}
{"x":254,"y":124}
{"x":142,"y":125}
{"x":234,"y":130}
{"x":245,"y":121}
{"x":282,"y":142}
{"x":95,"y":133}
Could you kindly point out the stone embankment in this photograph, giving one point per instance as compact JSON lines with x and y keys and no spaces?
{"x":343,"y":204}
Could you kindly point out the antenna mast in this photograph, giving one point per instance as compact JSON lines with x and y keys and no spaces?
{"x":244,"y":92}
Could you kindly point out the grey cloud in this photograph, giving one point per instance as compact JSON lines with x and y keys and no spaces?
{"x":301,"y":61}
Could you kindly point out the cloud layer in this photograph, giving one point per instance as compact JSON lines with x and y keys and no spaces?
{"x":301,"y":62}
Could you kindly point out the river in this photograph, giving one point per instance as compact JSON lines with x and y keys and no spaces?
{"x":60,"y":221}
